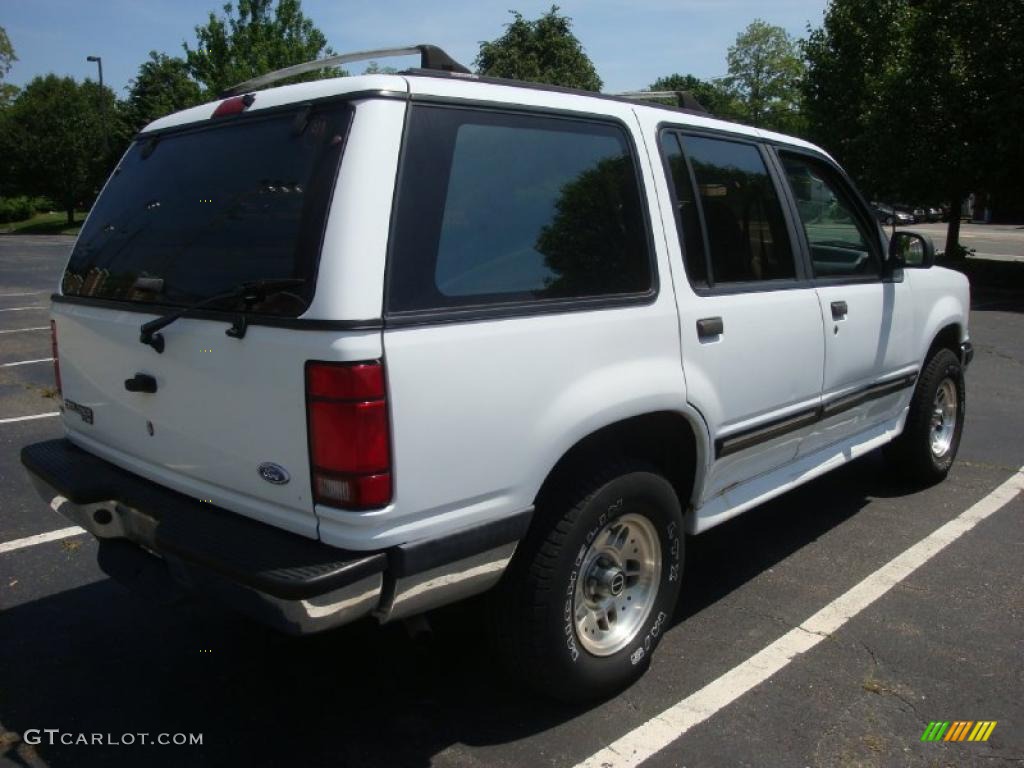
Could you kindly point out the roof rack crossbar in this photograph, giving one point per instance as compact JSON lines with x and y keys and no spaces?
{"x":684,"y":99}
{"x":431,"y":57}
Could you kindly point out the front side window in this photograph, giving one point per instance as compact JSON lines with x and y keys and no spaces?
{"x":838,"y":239}
{"x":498,"y":208}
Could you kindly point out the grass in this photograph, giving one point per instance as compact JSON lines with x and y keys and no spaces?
{"x":54,"y":223}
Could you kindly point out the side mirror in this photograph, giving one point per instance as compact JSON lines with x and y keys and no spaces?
{"x":911,"y":249}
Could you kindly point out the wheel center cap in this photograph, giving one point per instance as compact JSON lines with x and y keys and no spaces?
{"x":608,"y":581}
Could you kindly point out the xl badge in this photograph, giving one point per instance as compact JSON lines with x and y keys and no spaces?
{"x":273,"y":473}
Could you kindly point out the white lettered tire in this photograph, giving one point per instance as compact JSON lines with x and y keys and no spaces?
{"x":593,"y":587}
{"x":925,"y":452}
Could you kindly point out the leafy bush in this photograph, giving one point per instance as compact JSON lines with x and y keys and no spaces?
{"x":16,"y":208}
{"x":43,"y":205}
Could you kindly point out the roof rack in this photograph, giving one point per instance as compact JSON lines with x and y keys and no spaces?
{"x":684,"y":99}
{"x":431,"y":57}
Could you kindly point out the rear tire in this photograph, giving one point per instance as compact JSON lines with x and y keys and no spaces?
{"x":925,"y":451}
{"x":593,"y":586}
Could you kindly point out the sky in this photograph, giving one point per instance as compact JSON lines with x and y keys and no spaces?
{"x":631,"y":42}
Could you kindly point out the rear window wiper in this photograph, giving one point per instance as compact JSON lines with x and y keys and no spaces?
{"x":251,"y":293}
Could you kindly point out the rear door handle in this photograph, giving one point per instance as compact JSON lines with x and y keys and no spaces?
{"x":709,"y":327}
{"x":839,"y":310}
{"x":141,"y":382}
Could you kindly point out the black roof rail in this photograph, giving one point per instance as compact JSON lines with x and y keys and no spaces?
{"x":684,"y":99}
{"x":431,"y":58}
{"x":690,"y":105}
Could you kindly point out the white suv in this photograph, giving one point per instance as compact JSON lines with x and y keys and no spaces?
{"x":371,"y":345}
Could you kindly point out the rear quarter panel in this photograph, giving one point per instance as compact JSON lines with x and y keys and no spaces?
{"x":481,"y":411}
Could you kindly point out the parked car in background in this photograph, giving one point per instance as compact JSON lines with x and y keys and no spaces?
{"x":884,"y":213}
{"x":888,"y":215}
{"x":911,"y":211}
{"x":934,"y":213}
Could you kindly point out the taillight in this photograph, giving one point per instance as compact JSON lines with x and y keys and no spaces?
{"x":349,"y":436}
{"x":56,"y":357}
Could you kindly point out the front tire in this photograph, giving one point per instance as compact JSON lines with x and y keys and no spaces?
{"x":594,"y":585}
{"x":931,"y":437}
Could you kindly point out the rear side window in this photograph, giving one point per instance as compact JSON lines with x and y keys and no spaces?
{"x":839,"y":239}
{"x":740,"y":231}
{"x":500,"y":208}
{"x":202,"y":210}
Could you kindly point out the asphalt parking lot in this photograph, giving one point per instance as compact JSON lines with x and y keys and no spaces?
{"x":80,"y":654}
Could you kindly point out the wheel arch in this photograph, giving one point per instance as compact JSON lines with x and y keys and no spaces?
{"x":948,"y":337}
{"x":670,"y":440}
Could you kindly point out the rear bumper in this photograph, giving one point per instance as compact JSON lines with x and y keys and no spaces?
{"x":150,"y":535}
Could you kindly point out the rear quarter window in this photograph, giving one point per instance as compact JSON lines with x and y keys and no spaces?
{"x":499,"y":208}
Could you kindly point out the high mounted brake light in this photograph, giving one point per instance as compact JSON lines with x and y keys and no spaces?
{"x":234,"y":106}
{"x":349,"y":435}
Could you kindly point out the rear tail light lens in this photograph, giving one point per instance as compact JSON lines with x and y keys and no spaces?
{"x":56,"y":357}
{"x":349,"y":434}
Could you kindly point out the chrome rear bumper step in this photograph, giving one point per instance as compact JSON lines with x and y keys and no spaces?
{"x":159,"y":541}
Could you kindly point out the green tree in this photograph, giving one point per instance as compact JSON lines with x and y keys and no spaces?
{"x":7,"y":59}
{"x":540,"y":51}
{"x":921,"y":100}
{"x":592,"y":240}
{"x":257,"y":39}
{"x":53,"y":138}
{"x":848,"y":59}
{"x":373,"y":68}
{"x":765,"y":69}
{"x":161,"y":86}
{"x":712,"y":95}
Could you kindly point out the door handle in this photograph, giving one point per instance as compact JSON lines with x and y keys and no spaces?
{"x":839,"y":310}
{"x":141,"y":382}
{"x":709,"y":327}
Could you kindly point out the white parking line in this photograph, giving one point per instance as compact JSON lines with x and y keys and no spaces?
{"x":661,"y":730}
{"x":29,"y":418}
{"x":998,"y":256}
{"x":26,"y":362}
{"x":41,"y":538}
{"x":21,"y":330}
{"x":19,"y":309}
{"x":11,"y":295}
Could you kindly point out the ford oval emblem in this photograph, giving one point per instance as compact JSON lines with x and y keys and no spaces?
{"x":273,"y":473}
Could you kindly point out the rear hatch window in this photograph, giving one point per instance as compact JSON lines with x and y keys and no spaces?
{"x":196,"y":212}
